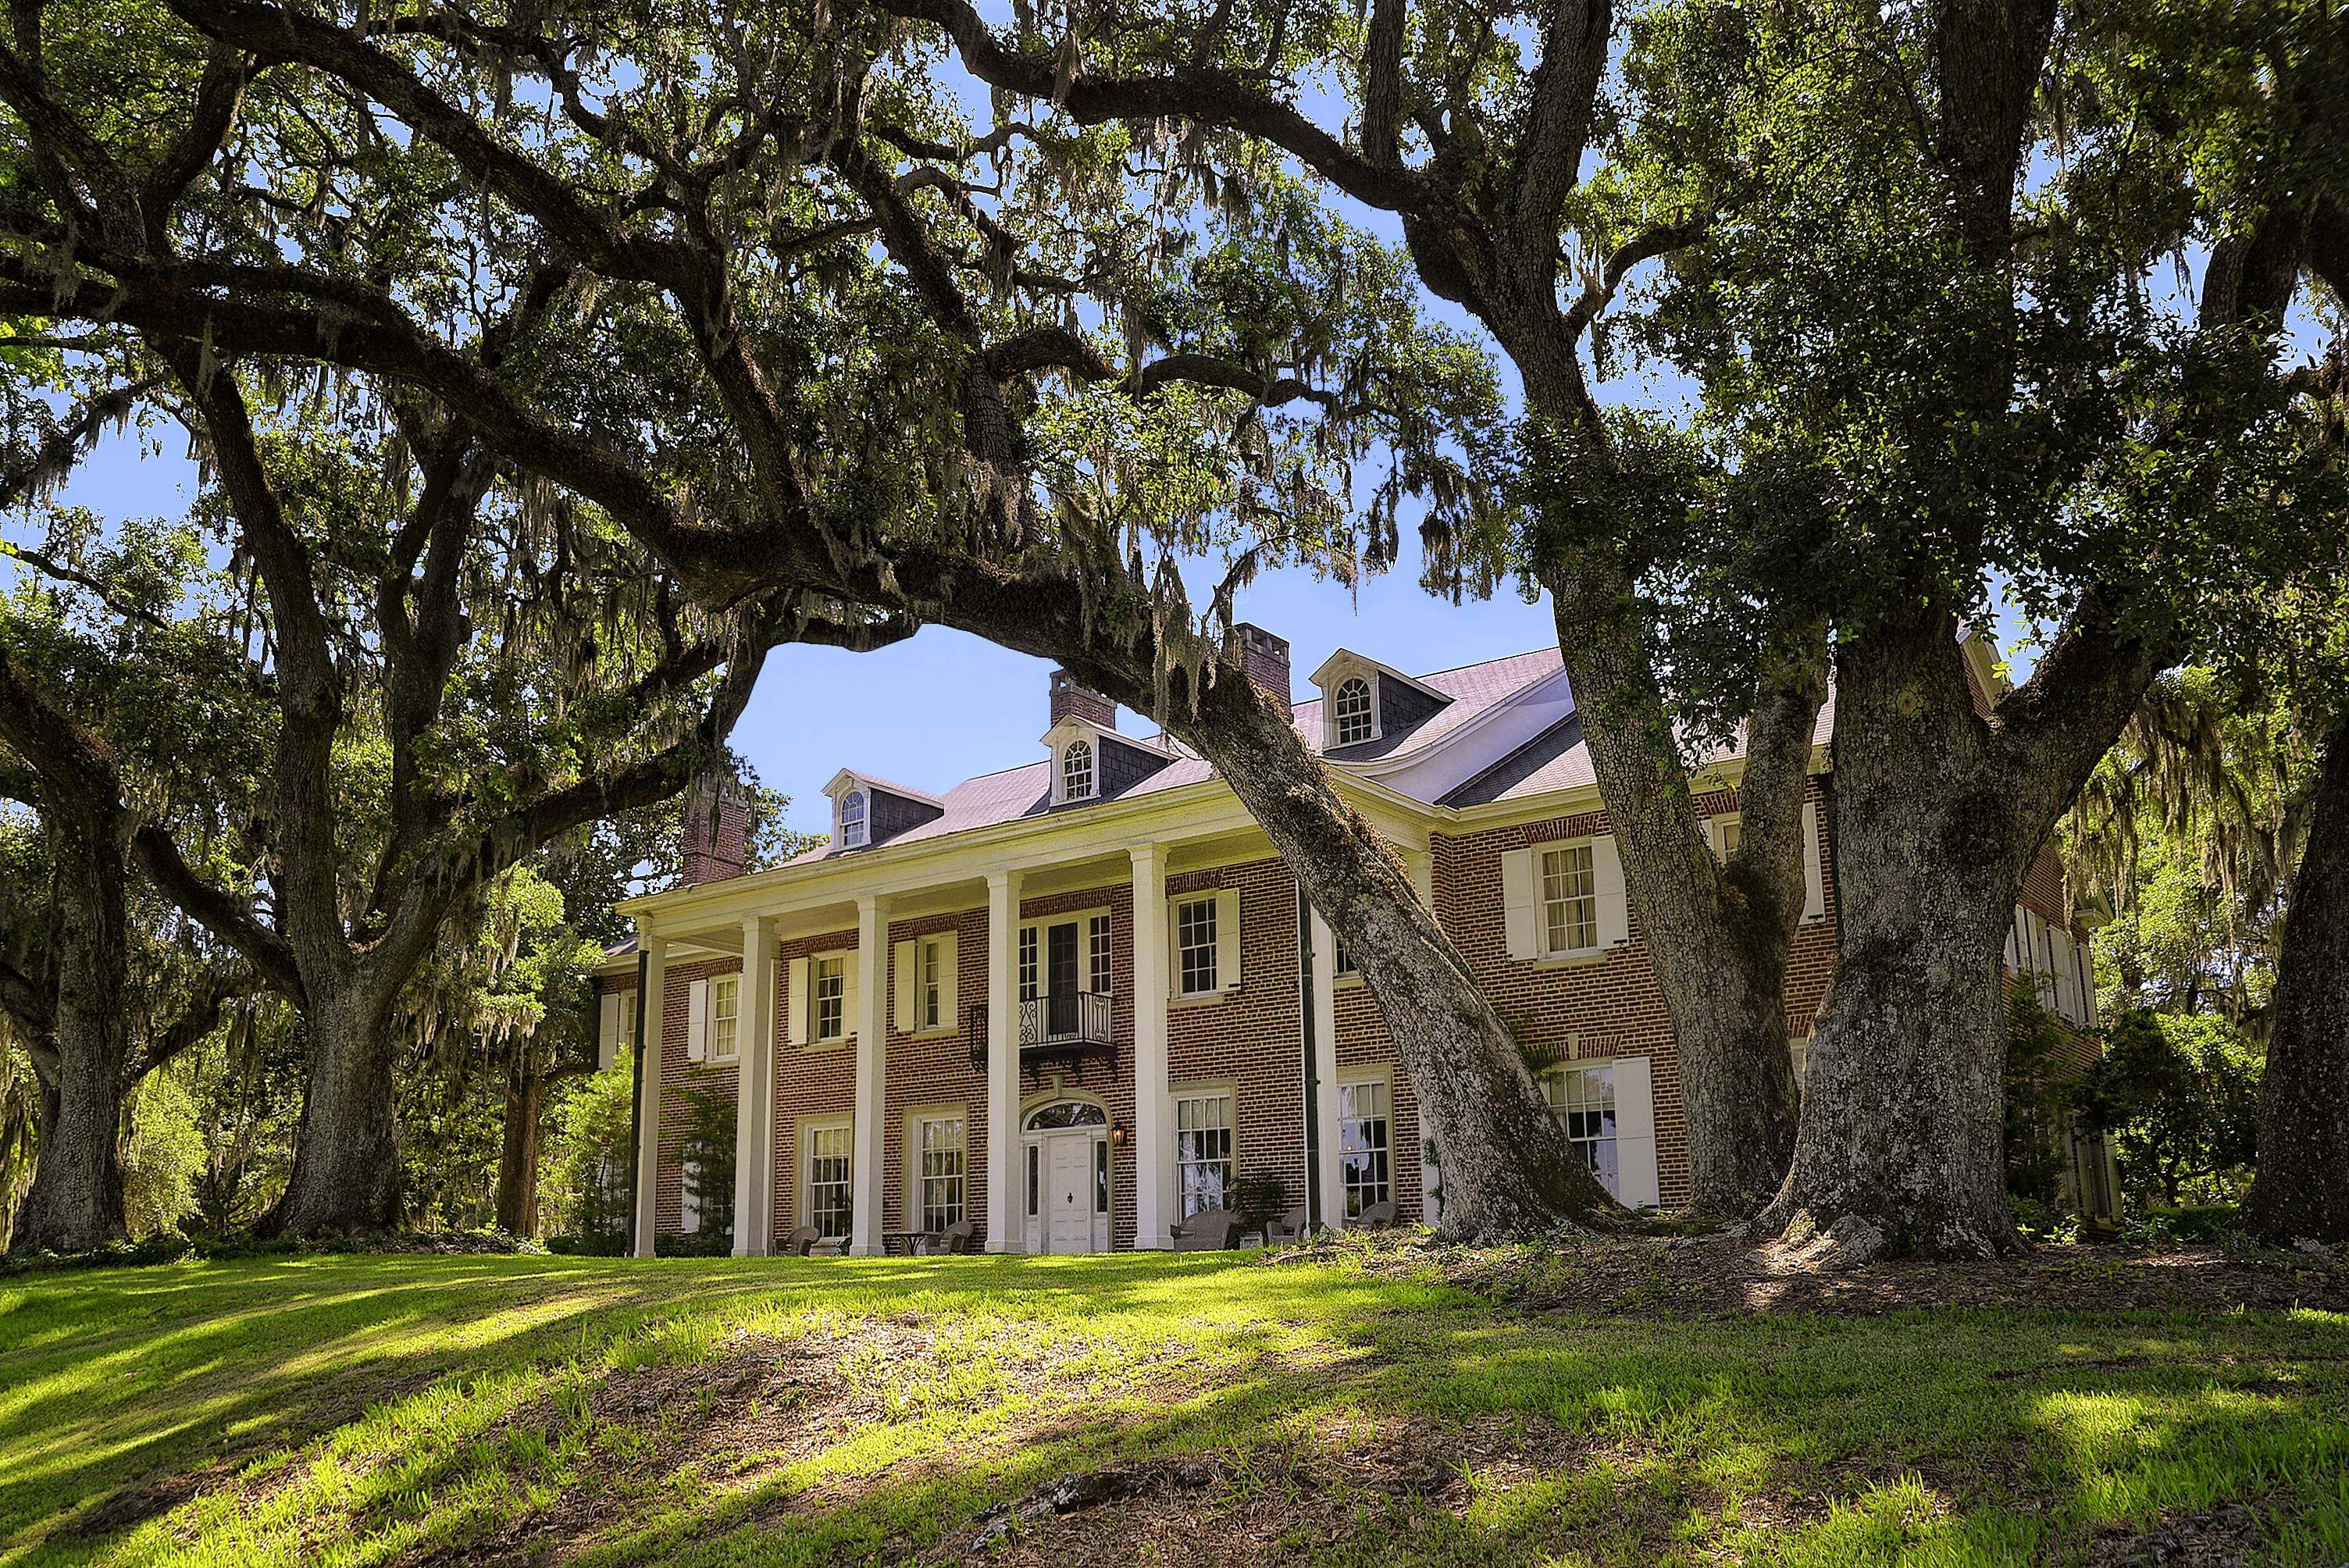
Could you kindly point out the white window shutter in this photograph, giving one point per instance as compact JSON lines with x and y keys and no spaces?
{"x":949,"y":983}
{"x":849,"y":992}
{"x":1711,"y":828}
{"x":1173,"y":948}
{"x":1815,"y":894}
{"x":796,"y":1001}
{"x":1607,"y":881}
{"x":1635,"y":1134}
{"x":907,"y":960}
{"x":697,"y":1021}
{"x":607,"y":1032}
{"x":1228,"y":938}
{"x":1519,"y":914}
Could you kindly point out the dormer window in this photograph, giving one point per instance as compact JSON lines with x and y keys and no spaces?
{"x":1077,"y":772}
{"x":1356,"y":719}
{"x":853,"y":832}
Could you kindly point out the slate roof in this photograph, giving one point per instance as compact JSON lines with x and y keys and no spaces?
{"x":1556,"y":759}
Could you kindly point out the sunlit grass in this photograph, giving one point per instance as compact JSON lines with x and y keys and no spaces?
{"x":374,"y":1409}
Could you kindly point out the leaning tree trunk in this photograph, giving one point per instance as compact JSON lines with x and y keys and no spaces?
{"x":1507,"y":1168}
{"x":518,"y":1154}
{"x":1718,"y":937}
{"x":2302,"y":1191}
{"x":1902,"y":1144}
{"x":76,"y":1201}
{"x":346,"y":1173}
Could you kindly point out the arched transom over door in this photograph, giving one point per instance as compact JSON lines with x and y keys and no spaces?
{"x":1067,"y":1154}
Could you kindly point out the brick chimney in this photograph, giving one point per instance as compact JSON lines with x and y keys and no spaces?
{"x":1265,"y":657}
{"x":716,"y":832}
{"x":1070,"y":700}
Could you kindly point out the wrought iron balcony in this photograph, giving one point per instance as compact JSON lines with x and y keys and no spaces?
{"x":1063,"y":1023}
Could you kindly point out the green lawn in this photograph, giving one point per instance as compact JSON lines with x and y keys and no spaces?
{"x":397,"y":1409}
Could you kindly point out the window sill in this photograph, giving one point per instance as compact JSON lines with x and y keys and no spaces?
{"x":1204,"y":998}
{"x":940,"y":1032}
{"x":1349,"y":981}
{"x":839,"y":1044}
{"x":1582,"y":959}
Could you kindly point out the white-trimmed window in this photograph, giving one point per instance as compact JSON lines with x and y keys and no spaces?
{"x":929,"y":983}
{"x":1344,"y":965}
{"x":1728,"y":832}
{"x":853,"y":824}
{"x":1077,"y":772}
{"x":1100,"y":968}
{"x":826,"y":1192}
{"x":1364,"y":1165}
{"x":1354,"y":716}
{"x":1569,"y":897}
{"x":1582,"y":1097}
{"x":1196,"y":973}
{"x":827,"y":997}
{"x":725,"y":1017}
{"x":939,"y":1154}
{"x":1203,"y":1152}
{"x":1030,"y":973}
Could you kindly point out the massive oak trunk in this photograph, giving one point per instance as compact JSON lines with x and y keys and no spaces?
{"x":1718,"y":936}
{"x":346,"y":1175}
{"x":2302,"y":1191}
{"x":76,"y":1201}
{"x":1508,"y":1170}
{"x":518,"y":1154}
{"x":1902,"y":1144}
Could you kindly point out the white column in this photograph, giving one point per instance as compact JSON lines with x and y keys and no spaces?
{"x":1007,"y":1212}
{"x":1325,"y":1068}
{"x":868,"y":1159}
{"x":654,"y":993}
{"x":1154,"y":1131}
{"x":754,"y":1101}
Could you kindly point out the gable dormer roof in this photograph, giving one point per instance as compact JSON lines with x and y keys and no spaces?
{"x":1118,"y":762}
{"x":1398,"y":704}
{"x":889,"y":809}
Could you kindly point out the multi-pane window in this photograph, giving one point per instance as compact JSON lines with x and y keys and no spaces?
{"x":725,"y":1016}
{"x":828,"y":998}
{"x":929,"y":983}
{"x":1194,"y":947}
{"x":1203,"y":1152}
{"x":1728,"y":832}
{"x":939,"y":1140}
{"x":1345,"y":961}
{"x":1362,"y":1151}
{"x":828,"y":1195}
{"x":1077,"y":772}
{"x":1582,"y":1098}
{"x":1028,"y":937}
{"x":852,"y":819}
{"x":1569,"y":899}
{"x":1355,"y":720}
{"x":1097,"y":955}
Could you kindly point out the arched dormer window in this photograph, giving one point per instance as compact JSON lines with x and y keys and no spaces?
{"x":852,"y":820}
{"x":1077,"y":772}
{"x":1356,"y":720}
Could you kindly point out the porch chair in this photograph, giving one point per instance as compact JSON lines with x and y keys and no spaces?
{"x":1377,"y":1214}
{"x":1214,"y":1231}
{"x":957,"y":1238}
{"x":1286,"y":1230}
{"x":797,"y":1244}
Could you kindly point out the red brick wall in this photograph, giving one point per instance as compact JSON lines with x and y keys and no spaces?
{"x":678,"y":1075}
{"x":1608,"y":1007}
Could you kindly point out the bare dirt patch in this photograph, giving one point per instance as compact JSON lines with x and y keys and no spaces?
{"x":1726,"y":1276}
{"x":2225,"y":1536}
{"x":1273,"y":1504}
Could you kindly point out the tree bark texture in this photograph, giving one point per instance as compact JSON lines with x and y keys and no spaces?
{"x":1901,"y":1147}
{"x":346,"y":1175}
{"x":518,"y":1154}
{"x":2302,"y":1191}
{"x":76,"y":1201}
{"x":1718,"y":936}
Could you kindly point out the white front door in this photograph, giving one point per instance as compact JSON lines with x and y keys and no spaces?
{"x":1069,"y":1192}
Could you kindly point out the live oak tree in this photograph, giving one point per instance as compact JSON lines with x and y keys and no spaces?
{"x":742,"y":283}
{"x":1473,"y":126}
